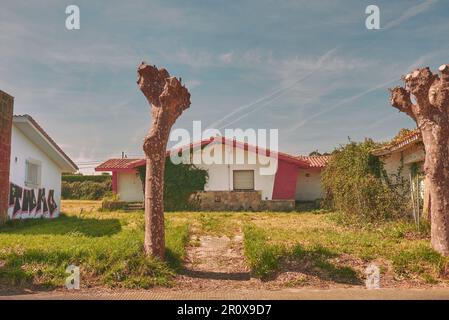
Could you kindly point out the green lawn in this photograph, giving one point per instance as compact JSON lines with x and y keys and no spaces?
{"x":325,"y":245}
{"x":108,"y":247}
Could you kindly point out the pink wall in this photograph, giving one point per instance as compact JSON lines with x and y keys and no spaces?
{"x":285,"y":181}
{"x":114,"y":182}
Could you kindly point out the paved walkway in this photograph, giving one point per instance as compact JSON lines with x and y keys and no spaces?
{"x":285,"y":294}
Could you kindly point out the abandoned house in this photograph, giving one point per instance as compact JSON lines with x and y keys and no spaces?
{"x":234,"y":185}
{"x":405,"y":157}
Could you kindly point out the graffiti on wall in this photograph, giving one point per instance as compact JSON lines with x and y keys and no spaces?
{"x":31,"y":203}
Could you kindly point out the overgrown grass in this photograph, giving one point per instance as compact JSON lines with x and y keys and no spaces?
{"x":317,"y":244}
{"x":262,"y":257}
{"x":107,"y":246}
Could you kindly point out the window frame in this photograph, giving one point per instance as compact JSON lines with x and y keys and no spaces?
{"x":38,"y":165}
{"x":253,"y":180}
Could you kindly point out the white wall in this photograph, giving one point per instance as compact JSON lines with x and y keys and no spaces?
{"x":308,"y":185}
{"x":129,"y":187}
{"x":221,"y":175}
{"x":21,"y":151}
{"x":410,"y":155}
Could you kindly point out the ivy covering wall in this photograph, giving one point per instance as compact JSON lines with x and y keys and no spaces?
{"x":356,"y":184}
{"x":181,"y":182}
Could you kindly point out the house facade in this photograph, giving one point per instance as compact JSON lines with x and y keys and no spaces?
{"x":407,"y":151}
{"x":240,"y":176}
{"x":35,"y":165}
{"x":406,"y":157}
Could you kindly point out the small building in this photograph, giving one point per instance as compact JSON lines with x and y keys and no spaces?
{"x":34,"y":164}
{"x":234,"y":185}
{"x":405,"y":157}
{"x":407,"y":151}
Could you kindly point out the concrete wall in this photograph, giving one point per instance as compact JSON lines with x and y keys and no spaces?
{"x":6,"y":112}
{"x":308,"y":185}
{"x":129,"y":187}
{"x":239,"y":201}
{"x":50,"y":182}
{"x":221,"y":175}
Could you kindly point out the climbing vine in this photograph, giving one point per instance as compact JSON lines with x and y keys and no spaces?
{"x":181,"y":181}
{"x":357,"y":184}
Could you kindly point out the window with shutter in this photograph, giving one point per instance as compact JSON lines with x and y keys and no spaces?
{"x":243,"y":179}
{"x":32,"y":174}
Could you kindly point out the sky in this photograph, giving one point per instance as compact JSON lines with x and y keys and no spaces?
{"x":310,"y":69}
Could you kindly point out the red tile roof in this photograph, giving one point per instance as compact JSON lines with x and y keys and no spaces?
{"x":125,"y":164}
{"x":120,"y":164}
{"x":401,"y":144}
{"x":316,"y":161}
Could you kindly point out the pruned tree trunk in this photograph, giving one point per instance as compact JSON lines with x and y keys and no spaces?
{"x":168,"y":99}
{"x":431,"y":114}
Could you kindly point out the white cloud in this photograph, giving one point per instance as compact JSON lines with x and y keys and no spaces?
{"x":410,"y":13}
{"x":226,"y":57}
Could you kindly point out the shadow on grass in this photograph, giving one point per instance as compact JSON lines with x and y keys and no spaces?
{"x":63,"y":225}
{"x":238,"y":276}
{"x":318,"y":262}
{"x":15,"y":279}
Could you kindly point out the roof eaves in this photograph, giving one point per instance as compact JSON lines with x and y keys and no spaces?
{"x":46,"y":136}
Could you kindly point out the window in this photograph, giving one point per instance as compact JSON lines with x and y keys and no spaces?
{"x":243,"y":179}
{"x":32,"y":173}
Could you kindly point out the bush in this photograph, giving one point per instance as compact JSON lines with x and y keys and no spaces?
{"x":86,"y":190}
{"x":81,"y":178}
{"x":181,"y":181}
{"x":356,"y":183}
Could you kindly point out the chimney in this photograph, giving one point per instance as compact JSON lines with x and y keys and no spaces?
{"x":6,"y":112}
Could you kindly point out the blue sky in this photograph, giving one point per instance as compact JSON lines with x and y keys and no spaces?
{"x":308,"y":68}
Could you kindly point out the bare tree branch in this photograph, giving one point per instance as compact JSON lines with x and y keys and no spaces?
{"x":418,"y":83}
{"x":400,"y":99}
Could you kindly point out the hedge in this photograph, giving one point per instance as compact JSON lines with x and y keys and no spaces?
{"x":181,"y":181}
{"x":86,"y":190}
{"x":81,"y":178}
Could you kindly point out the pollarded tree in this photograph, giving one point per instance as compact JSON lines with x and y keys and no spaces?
{"x":430,"y":111}
{"x":168,"y":99}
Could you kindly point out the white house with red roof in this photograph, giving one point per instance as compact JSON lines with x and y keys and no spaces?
{"x":36,"y":166}
{"x":293,"y":178}
{"x":31,"y":165}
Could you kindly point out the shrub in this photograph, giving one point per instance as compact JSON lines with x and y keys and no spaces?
{"x":181,"y":181}
{"x":356,"y":183}
{"x":86,"y":190}
{"x":82,"y":178}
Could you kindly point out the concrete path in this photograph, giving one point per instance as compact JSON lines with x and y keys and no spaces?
{"x":285,"y":294}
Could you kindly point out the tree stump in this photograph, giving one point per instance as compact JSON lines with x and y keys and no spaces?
{"x":431,"y":114}
{"x":168,"y":98}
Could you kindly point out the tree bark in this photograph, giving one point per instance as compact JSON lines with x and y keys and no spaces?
{"x":431,"y":114}
{"x":436,"y":166}
{"x":168,"y":99}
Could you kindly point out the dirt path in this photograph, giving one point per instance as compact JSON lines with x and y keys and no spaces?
{"x":214,"y":262}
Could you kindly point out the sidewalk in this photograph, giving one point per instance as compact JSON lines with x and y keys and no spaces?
{"x":285,"y":294}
